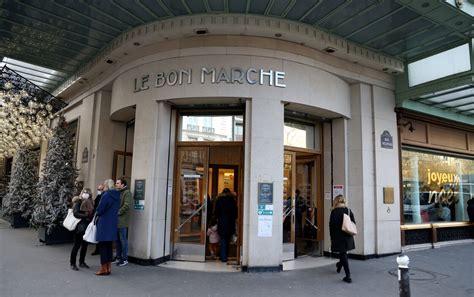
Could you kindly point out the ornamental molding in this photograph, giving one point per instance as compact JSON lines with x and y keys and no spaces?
{"x":238,"y":25}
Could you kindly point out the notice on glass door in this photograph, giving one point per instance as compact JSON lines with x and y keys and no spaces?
{"x":265,"y":223}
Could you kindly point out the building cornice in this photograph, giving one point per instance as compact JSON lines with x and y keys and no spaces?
{"x":233,"y":24}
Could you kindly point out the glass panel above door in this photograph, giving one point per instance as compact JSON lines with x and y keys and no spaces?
{"x":300,"y":135}
{"x":211,"y":128}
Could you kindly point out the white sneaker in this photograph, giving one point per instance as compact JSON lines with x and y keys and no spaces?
{"x":122,"y":263}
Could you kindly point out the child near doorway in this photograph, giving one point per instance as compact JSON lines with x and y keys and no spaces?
{"x":213,"y":237}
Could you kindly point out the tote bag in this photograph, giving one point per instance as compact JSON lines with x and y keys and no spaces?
{"x":91,"y":231}
{"x":70,"y":222}
{"x":347,"y":225}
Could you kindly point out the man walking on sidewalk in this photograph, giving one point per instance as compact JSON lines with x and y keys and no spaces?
{"x":123,"y":218}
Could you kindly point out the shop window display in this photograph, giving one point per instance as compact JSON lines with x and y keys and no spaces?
{"x":436,"y":187}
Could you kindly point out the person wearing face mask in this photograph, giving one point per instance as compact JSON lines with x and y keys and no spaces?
{"x":100,"y":190}
{"x":83,"y":209}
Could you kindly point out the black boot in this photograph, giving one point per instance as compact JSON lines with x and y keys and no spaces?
{"x":74,"y":267}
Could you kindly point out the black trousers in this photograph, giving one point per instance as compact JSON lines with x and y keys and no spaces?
{"x":78,"y":243}
{"x":106,"y":252}
{"x":343,"y":260}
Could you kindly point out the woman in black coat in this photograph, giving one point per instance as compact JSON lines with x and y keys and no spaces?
{"x":82,"y":209}
{"x":341,"y":242}
{"x":226,"y":214}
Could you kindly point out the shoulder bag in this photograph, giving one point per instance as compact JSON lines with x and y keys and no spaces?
{"x":70,"y":222}
{"x":91,"y":231}
{"x":348,"y":225}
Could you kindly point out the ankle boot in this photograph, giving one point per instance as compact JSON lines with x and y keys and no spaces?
{"x":103,"y":270}
{"x":109,"y":267}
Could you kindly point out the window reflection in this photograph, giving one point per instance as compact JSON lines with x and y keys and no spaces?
{"x":211,"y":128}
{"x":298,"y":135}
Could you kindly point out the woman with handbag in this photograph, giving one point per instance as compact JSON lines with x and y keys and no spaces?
{"x":341,"y":241}
{"x":83,"y":209}
{"x":107,"y":213}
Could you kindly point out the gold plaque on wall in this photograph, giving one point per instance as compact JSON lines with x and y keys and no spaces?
{"x":388,"y":195}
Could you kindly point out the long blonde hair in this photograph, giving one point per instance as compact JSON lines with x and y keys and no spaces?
{"x":338,"y":201}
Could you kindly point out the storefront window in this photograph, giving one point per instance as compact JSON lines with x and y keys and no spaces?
{"x":211,"y":128}
{"x":436,"y":187}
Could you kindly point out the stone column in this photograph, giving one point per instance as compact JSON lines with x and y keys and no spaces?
{"x":153,"y":153}
{"x":263,"y":164}
{"x":335,"y":167}
{"x":144,"y":166}
{"x":372,"y":168}
{"x":101,"y":143}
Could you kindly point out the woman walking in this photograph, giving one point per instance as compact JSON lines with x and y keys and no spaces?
{"x":82,"y":209}
{"x":341,"y":242}
{"x":107,"y":213}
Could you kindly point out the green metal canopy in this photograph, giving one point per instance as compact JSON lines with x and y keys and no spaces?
{"x":63,"y":35}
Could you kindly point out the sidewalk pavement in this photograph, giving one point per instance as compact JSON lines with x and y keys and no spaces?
{"x":28,"y":268}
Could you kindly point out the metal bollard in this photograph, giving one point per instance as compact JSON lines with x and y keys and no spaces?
{"x":403,"y":276}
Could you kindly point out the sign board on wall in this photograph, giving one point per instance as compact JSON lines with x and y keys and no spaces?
{"x":85,"y":155}
{"x":386,"y":140}
{"x":139,"y":194}
{"x":265,"y":193}
{"x":265,"y":220}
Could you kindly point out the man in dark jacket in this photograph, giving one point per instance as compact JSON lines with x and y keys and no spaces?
{"x":226,"y":214}
{"x":123,"y":219}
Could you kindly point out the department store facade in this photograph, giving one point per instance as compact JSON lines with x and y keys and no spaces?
{"x":284,"y":115}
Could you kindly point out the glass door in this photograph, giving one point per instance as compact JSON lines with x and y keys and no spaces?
{"x":306,"y":207}
{"x":189,"y":226}
{"x":220,"y":178}
{"x":289,"y":205}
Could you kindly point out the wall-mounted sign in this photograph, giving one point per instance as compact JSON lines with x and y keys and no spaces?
{"x":265,"y":220}
{"x":337,"y":190}
{"x":386,"y":140}
{"x":233,"y":75}
{"x":265,"y":193}
{"x":139,"y":194}
{"x":388,"y":195}
{"x":85,"y":155}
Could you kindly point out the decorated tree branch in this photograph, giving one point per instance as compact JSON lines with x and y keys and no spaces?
{"x":56,"y":186}
{"x":22,"y":189}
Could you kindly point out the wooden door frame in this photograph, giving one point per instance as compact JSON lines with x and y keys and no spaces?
{"x":114,"y":165}
{"x":215,"y":179}
{"x":239,"y":184}
{"x":317,"y":180}
{"x":319,"y":170}
{"x":292,"y":194}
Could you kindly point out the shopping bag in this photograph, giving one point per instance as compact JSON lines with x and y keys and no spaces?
{"x":91,"y":231}
{"x":70,"y":222}
{"x":347,"y":225}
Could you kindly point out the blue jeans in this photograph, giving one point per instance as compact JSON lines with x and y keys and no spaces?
{"x":122,"y":244}
{"x":224,"y":248}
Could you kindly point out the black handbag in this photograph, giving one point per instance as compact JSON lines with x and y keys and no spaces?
{"x":82,"y":226}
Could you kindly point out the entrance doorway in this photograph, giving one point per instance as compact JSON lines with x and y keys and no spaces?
{"x":302,"y":204}
{"x":203,"y":171}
